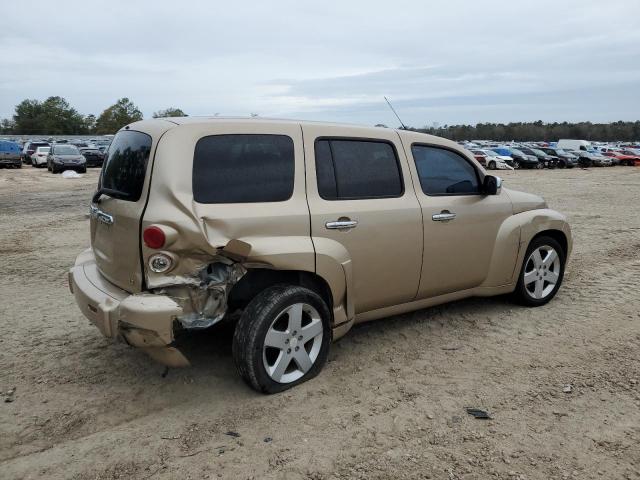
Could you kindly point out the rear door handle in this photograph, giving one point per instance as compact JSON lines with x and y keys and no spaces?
{"x":443,"y":216}
{"x":341,"y":224}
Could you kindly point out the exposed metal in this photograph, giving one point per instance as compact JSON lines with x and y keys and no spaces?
{"x":205,"y":301}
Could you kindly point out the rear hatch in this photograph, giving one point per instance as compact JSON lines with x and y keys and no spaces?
{"x":115,"y":216}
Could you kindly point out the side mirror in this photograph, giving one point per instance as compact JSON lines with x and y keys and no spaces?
{"x":492,"y":185}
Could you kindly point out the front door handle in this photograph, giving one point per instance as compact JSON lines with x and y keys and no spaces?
{"x":341,"y":224}
{"x":443,"y":216}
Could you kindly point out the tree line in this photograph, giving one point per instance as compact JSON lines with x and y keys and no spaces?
{"x":54,"y":116}
{"x":538,"y":131}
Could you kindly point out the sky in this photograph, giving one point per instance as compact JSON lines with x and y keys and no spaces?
{"x":446,"y":62}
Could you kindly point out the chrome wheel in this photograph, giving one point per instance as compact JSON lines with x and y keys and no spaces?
{"x":292,"y":343}
{"x":542,"y":272}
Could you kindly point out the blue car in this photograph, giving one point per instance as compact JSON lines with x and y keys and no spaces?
{"x":10,"y":153}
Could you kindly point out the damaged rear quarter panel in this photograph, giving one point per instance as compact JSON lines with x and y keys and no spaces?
{"x":278,"y":233}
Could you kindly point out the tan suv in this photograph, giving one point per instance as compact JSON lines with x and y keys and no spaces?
{"x":300,"y":229}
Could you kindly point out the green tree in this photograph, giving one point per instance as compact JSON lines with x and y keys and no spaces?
{"x":169,"y":112}
{"x":117,"y":116}
{"x":54,"y":116}
{"x":6,"y":126}
{"x":89,"y":123}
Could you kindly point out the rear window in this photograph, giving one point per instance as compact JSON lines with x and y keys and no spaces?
{"x":126,"y":165}
{"x":243,"y":168}
{"x":357,"y":169}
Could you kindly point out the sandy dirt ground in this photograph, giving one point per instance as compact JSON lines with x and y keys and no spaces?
{"x":389,"y":404}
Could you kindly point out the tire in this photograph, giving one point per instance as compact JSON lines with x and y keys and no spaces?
{"x":539,"y":166}
{"x":562,"y":164}
{"x":18,"y":165}
{"x":535,"y":285}
{"x":54,"y":170}
{"x":516,"y":165}
{"x":268,"y":312}
{"x":83,"y":170}
{"x":492,"y":165}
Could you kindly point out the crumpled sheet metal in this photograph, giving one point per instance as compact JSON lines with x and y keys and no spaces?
{"x":204,"y":296}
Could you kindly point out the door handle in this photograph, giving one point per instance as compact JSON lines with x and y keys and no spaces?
{"x":341,"y":224}
{"x":443,"y":216}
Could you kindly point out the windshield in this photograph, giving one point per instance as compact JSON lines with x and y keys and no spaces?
{"x":516,"y":151}
{"x":125,"y":168}
{"x":65,"y":150}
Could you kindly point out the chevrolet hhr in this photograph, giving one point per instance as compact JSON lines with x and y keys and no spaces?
{"x":296,"y":231}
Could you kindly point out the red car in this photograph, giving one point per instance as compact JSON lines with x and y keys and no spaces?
{"x":624,"y":158}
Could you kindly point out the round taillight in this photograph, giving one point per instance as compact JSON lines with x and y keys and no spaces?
{"x":153,"y":237}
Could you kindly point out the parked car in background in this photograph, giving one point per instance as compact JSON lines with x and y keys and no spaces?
{"x":30,"y":148}
{"x":623,"y":158}
{"x":547,"y":161}
{"x":289,"y":224}
{"x":520,"y":159}
{"x":634,"y":152}
{"x":65,"y":157}
{"x":576,"y":145}
{"x":39,"y":157}
{"x":10,"y":154}
{"x":492,"y":160}
{"x":565,"y":159}
{"x":600,"y":160}
{"x":93,"y":156}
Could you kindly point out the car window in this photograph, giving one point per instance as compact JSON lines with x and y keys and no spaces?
{"x":357,"y":169}
{"x":125,"y":168}
{"x":443,"y":172}
{"x":242,"y":168}
{"x":65,"y":150}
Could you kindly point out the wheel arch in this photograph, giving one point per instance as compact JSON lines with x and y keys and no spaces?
{"x":257,"y":280}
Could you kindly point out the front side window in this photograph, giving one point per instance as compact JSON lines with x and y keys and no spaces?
{"x":243,"y":168}
{"x":357,"y":169}
{"x":444,"y":172}
{"x":125,"y":167}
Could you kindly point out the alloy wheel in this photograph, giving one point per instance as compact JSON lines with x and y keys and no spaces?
{"x":542,"y":272}
{"x":292,"y":343}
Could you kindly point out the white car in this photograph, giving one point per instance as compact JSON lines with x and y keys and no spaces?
{"x":39,"y":157}
{"x":492,"y":160}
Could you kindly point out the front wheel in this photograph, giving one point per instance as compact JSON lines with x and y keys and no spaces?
{"x":516,"y":164}
{"x":542,"y":272}
{"x":282,"y":338}
{"x":492,"y":165}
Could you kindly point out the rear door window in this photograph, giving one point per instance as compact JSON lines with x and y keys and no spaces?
{"x":243,"y":168}
{"x":125,"y":167}
{"x":444,"y":172}
{"x":357,"y":169}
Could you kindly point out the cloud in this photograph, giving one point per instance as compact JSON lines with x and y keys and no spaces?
{"x":453,"y":62}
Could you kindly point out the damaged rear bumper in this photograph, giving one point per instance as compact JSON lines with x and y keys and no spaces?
{"x":141,"y":320}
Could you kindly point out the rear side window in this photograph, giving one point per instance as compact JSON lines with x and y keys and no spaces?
{"x":357,"y":169}
{"x":443,"y":172}
{"x":243,"y":168}
{"x":126,"y":165}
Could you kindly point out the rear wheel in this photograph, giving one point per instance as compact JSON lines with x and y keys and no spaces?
{"x":562,"y":164}
{"x":541,"y":273}
{"x":282,"y":338}
{"x":516,"y":164}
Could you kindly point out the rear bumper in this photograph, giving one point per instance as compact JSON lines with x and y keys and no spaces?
{"x":142,"y":320}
